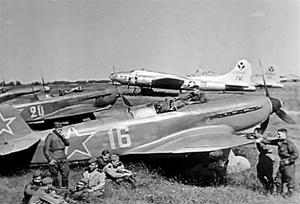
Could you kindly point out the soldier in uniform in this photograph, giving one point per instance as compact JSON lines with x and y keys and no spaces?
{"x":103,"y":159}
{"x":54,"y":151}
{"x":44,"y":196}
{"x":288,"y":153}
{"x":95,"y":179}
{"x":115,"y":170}
{"x":265,"y":162}
{"x":80,"y":193}
{"x":32,"y":187}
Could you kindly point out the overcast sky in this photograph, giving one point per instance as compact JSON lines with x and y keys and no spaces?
{"x":75,"y":40}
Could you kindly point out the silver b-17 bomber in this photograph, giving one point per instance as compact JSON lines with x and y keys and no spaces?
{"x":207,"y":127}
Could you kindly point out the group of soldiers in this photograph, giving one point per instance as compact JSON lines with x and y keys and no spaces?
{"x":92,"y":184}
{"x":287,"y":152}
{"x":49,"y":189}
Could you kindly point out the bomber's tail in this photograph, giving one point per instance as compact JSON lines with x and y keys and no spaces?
{"x":240,"y":75}
{"x":272,"y":74}
{"x":12,"y":125}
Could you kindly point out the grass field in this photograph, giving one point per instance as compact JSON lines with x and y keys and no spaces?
{"x":153,"y":186}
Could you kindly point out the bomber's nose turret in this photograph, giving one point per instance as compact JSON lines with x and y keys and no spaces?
{"x":112,"y":76}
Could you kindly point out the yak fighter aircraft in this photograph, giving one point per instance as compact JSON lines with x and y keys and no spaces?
{"x":236,"y":80}
{"x":199,"y":128}
{"x":19,"y":91}
{"x":67,"y":108}
{"x":272,"y":78}
{"x":239,"y":78}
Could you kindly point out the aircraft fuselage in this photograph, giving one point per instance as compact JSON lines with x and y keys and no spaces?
{"x":122,"y":134}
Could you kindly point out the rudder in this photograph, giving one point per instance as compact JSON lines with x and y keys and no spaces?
{"x":12,"y":125}
{"x":240,"y":75}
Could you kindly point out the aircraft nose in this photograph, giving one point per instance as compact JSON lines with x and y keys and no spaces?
{"x":276,"y":104}
{"x":112,"y":76}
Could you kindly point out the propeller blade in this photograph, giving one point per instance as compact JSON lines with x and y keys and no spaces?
{"x":265,"y":85}
{"x":264,"y":125}
{"x":113,"y":68}
{"x":285,"y":117}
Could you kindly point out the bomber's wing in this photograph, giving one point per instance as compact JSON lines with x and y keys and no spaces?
{"x":200,"y":139}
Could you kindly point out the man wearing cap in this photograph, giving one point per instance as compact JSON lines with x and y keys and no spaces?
{"x":103,"y":159}
{"x":95,"y":179}
{"x":115,"y":170}
{"x":288,"y":153}
{"x":32,"y":187}
{"x":54,"y":151}
{"x":42,"y":195}
{"x":80,"y":193}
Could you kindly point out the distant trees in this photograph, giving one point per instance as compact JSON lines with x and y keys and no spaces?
{"x":36,"y":83}
{"x":18,"y":83}
{"x":10,"y":83}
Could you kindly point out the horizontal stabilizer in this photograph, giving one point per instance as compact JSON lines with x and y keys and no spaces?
{"x":17,"y":145}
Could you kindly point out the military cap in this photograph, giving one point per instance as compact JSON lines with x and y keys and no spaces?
{"x":83,"y":180}
{"x":57,"y":125}
{"x":92,"y":160}
{"x":114,"y":157}
{"x":36,"y":174}
{"x":47,"y":180}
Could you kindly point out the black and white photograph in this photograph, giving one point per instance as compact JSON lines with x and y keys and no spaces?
{"x":149,"y":101}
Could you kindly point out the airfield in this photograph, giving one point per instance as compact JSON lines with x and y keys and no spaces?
{"x":154,"y":185}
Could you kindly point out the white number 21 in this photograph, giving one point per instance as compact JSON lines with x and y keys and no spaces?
{"x":122,"y":138}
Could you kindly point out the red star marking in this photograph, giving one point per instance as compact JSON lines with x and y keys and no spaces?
{"x":78,"y":145}
{"x":5,"y":124}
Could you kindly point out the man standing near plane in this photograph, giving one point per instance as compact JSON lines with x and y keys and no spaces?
{"x":54,"y":151}
{"x":265,"y":162}
{"x":288,"y":153}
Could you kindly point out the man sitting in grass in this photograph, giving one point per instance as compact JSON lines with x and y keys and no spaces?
{"x":115,"y":170}
{"x":95,"y":179}
{"x":80,"y":193}
{"x":32,"y":187}
{"x":44,"y":196}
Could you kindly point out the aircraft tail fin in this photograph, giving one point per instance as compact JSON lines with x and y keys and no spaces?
{"x":272,"y":73}
{"x":12,"y":125}
{"x":240,"y":75}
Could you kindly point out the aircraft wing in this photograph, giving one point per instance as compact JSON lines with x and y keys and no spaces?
{"x":200,"y":139}
{"x":71,"y":111}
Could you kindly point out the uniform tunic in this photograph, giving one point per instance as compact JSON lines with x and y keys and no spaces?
{"x":96,"y":182}
{"x":288,"y":154}
{"x":54,"y":149}
{"x":264,"y":166}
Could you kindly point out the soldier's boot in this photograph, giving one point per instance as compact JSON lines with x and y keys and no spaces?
{"x":271,"y":189}
{"x":279,"y":190}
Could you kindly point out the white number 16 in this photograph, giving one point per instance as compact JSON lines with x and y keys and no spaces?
{"x":123,"y":139}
